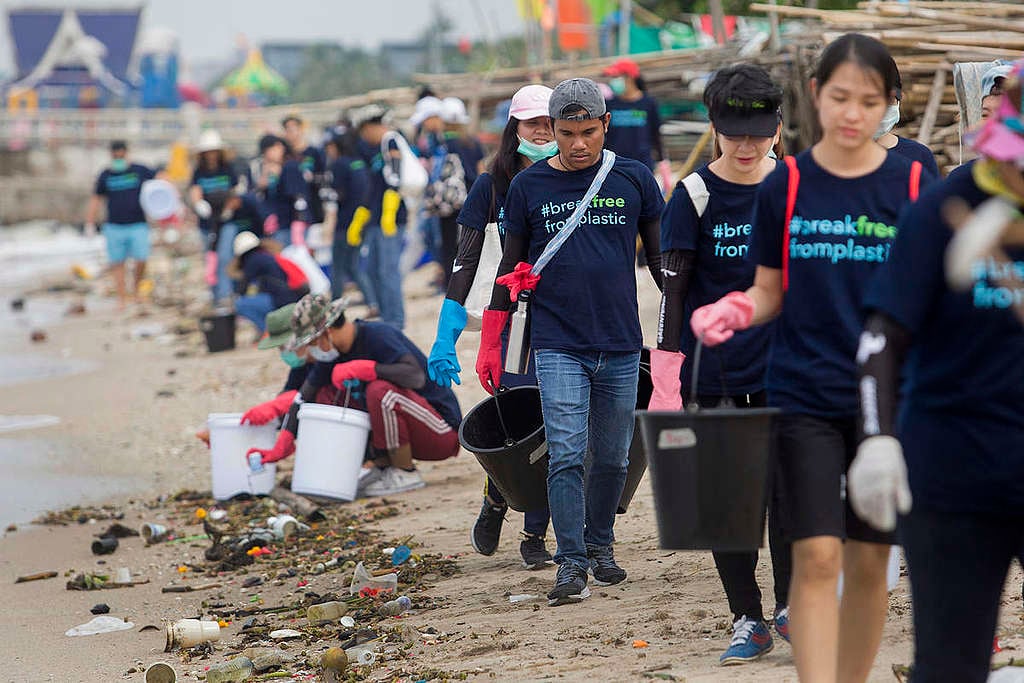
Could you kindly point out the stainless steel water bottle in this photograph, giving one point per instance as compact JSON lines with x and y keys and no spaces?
{"x":517,"y":356}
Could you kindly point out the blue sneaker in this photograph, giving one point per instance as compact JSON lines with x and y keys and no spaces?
{"x":782,"y":623}
{"x":750,"y":640}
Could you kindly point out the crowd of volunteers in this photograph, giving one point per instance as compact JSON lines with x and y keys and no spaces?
{"x":816,"y":284}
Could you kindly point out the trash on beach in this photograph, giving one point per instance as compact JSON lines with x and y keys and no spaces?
{"x":118,"y":530}
{"x":396,"y":607}
{"x":100,"y":608}
{"x":100,"y":625}
{"x":334,"y":661}
{"x":523,"y":597}
{"x":400,"y":555}
{"x":285,"y":526}
{"x":104,"y":546}
{"x":160,"y":673}
{"x":286,"y":634}
{"x":233,"y":671}
{"x":38,"y":336}
{"x":88,"y":582}
{"x":153,"y":533}
{"x":326,"y":612}
{"x":36,"y":577}
{"x":123,"y":576}
{"x":191,"y":632}
{"x":640,"y":644}
{"x":364,"y":581}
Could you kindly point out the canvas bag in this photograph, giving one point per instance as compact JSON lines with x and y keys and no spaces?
{"x":412,"y":177}
{"x":486,"y":271}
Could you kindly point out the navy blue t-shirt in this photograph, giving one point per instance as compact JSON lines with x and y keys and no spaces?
{"x":260,"y":268}
{"x":282,"y":193}
{"x":215,"y":181}
{"x":351,"y":179}
{"x":586,"y":298}
{"x":311,"y":161}
{"x":251,"y":214}
{"x":719,"y":239}
{"x":122,"y":193}
{"x":296,"y":376}
{"x":470,"y":152}
{"x":375,"y":161}
{"x":633,"y":129}
{"x":961,"y":423}
{"x":915,"y":151}
{"x":477,"y":211}
{"x":842,"y":230}
{"x":384,"y":344}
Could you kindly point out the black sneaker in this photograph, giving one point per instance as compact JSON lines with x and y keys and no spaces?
{"x":535,"y":554}
{"x":570,"y":586}
{"x":487,"y":529}
{"x":603,"y":567}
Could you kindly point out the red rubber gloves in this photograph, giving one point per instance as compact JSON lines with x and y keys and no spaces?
{"x":665,"y":367}
{"x":271,"y":224}
{"x":271,"y":410}
{"x":488,"y":358}
{"x":284,"y":447}
{"x":210,"y":268}
{"x":362,"y":370}
{"x":519,"y":279}
{"x":716,"y":322}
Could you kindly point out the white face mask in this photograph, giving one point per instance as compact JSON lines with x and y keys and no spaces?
{"x":889,"y":121}
{"x":535,"y":152}
{"x":322,"y":356}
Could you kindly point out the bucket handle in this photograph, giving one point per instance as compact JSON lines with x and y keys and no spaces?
{"x":693,"y":405}
{"x":509,"y":441}
{"x":348,"y":394}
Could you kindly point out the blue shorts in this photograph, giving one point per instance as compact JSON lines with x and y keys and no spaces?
{"x":127,"y":240}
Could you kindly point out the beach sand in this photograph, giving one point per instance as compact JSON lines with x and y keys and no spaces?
{"x":131,"y":420}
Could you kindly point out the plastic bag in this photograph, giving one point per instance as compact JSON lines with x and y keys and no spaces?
{"x":105,"y":624}
{"x":363,"y":579}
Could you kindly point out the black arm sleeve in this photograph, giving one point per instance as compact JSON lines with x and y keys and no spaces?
{"x":516,"y":250}
{"x":880,"y":355}
{"x":676,"y":269}
{"x":650,"y":237}
{"x":306,"y":394}
{"x":406,"y":373}
{"x":471,"y":244}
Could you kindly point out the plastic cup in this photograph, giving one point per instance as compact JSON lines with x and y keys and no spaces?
{"x":191,"y":632}
{"x":123,"y":576}
{"x":153,"y":533}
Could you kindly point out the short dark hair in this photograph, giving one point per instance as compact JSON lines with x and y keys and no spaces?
{"x":269,"y":140}
{"x":744,"y":87}
{"x":290,"y":118}
{"x":118,"y":146}
{"x":865,"y":52}
{"x":340,"y":322}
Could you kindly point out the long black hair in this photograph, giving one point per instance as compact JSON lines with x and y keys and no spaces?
{"x":869,"y":54}
{"x":506,"y":162}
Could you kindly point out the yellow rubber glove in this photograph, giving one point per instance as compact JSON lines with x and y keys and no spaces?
{"x":389,"y":212}
{"x":354,"y":233}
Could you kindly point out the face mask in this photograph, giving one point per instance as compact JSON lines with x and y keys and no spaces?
{"x":617,"y":85}
{"x":118,"y":165}
{"x":535,"y":152}
{"x":292,"y":360}
{"x":322,"y":356}
{"x":891,"y":118}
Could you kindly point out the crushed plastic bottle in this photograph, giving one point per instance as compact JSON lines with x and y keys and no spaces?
{"x":233,"y":671}
{"x":395,"y":607}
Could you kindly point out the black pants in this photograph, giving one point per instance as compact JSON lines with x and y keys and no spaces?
{"x":958,"y":564}
{"x":736,"y":569}
{"x":449,"y":244}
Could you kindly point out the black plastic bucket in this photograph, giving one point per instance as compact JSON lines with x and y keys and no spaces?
{"x":219,"y":329}
{"x":637,"y":458}
{"x":519,"y":467}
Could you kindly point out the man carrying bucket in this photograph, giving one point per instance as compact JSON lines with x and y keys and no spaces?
{"x":410,"y":418}
{"x":584,"y":329}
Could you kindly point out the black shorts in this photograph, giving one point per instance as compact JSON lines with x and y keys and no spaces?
{"x":812,"y":456}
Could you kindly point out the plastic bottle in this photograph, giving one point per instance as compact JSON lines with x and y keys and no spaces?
{"x":234,"y":671}
{"x":393,"y":608}
{"x":326,"y":611}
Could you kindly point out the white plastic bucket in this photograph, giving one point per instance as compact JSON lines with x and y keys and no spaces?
{"x":159,"y":199}
{"x":229,"y":442}
{"x":329,"y":451}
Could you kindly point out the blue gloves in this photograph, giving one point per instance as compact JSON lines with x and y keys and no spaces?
{"x":443,"y":366}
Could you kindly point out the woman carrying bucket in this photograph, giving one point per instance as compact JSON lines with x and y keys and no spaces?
{"x":527,"y":139}
{"x":954,"y":337}
{"x":704,"y":232}
{"x":822,"y":226}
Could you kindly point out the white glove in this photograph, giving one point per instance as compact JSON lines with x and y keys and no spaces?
{"x":877,"y":482}
{"x":203,"y":209}
{"x":89,"y":229}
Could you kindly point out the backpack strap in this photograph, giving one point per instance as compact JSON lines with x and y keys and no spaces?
{"x":698,"y":191}
{"x":792,"y":185}
{"x":915,"y":180}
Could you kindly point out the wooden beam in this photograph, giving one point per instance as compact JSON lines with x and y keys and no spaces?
{"x":924,"y":135}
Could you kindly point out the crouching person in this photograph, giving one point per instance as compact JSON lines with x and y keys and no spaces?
{"x":410,"y":418}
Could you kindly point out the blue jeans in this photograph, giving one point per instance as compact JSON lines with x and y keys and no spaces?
{"x":225,"y":252}
{"x":346,"y":266}
{"x":254,"y":308}
{"x":382,"y":271}
{"x":588,"y":400}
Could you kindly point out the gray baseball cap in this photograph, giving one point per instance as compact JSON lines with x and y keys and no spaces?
{"x":573,"y":94}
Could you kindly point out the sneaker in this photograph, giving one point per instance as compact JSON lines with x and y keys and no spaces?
{"x":487,"y":529}
{"x":535,"y":553}
{"x":394,"y":480}
{"x":782,"y":623}
{"x":367,"y":476}
{"x":570,"y":586}
{"x":603,"y":567}
{"x":750,"y":640}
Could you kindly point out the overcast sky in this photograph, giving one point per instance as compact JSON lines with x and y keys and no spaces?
{"x":208,"y":28}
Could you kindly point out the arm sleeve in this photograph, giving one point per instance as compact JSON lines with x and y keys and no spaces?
{"x":880,"y":355}
{"x":406,"y":372}
{"x":471,"y":244}
{"x":676,"y":268}
{"x":650,"y":238}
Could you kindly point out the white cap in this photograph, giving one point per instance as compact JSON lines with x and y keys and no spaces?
{"x":426,"y":107}
{"x":209,"y":140}
{"x":529,"y":102}
{"x":245,"y":242}
{"x":454,"y":110}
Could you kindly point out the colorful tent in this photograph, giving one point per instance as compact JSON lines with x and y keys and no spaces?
{"x":255,"y":78}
